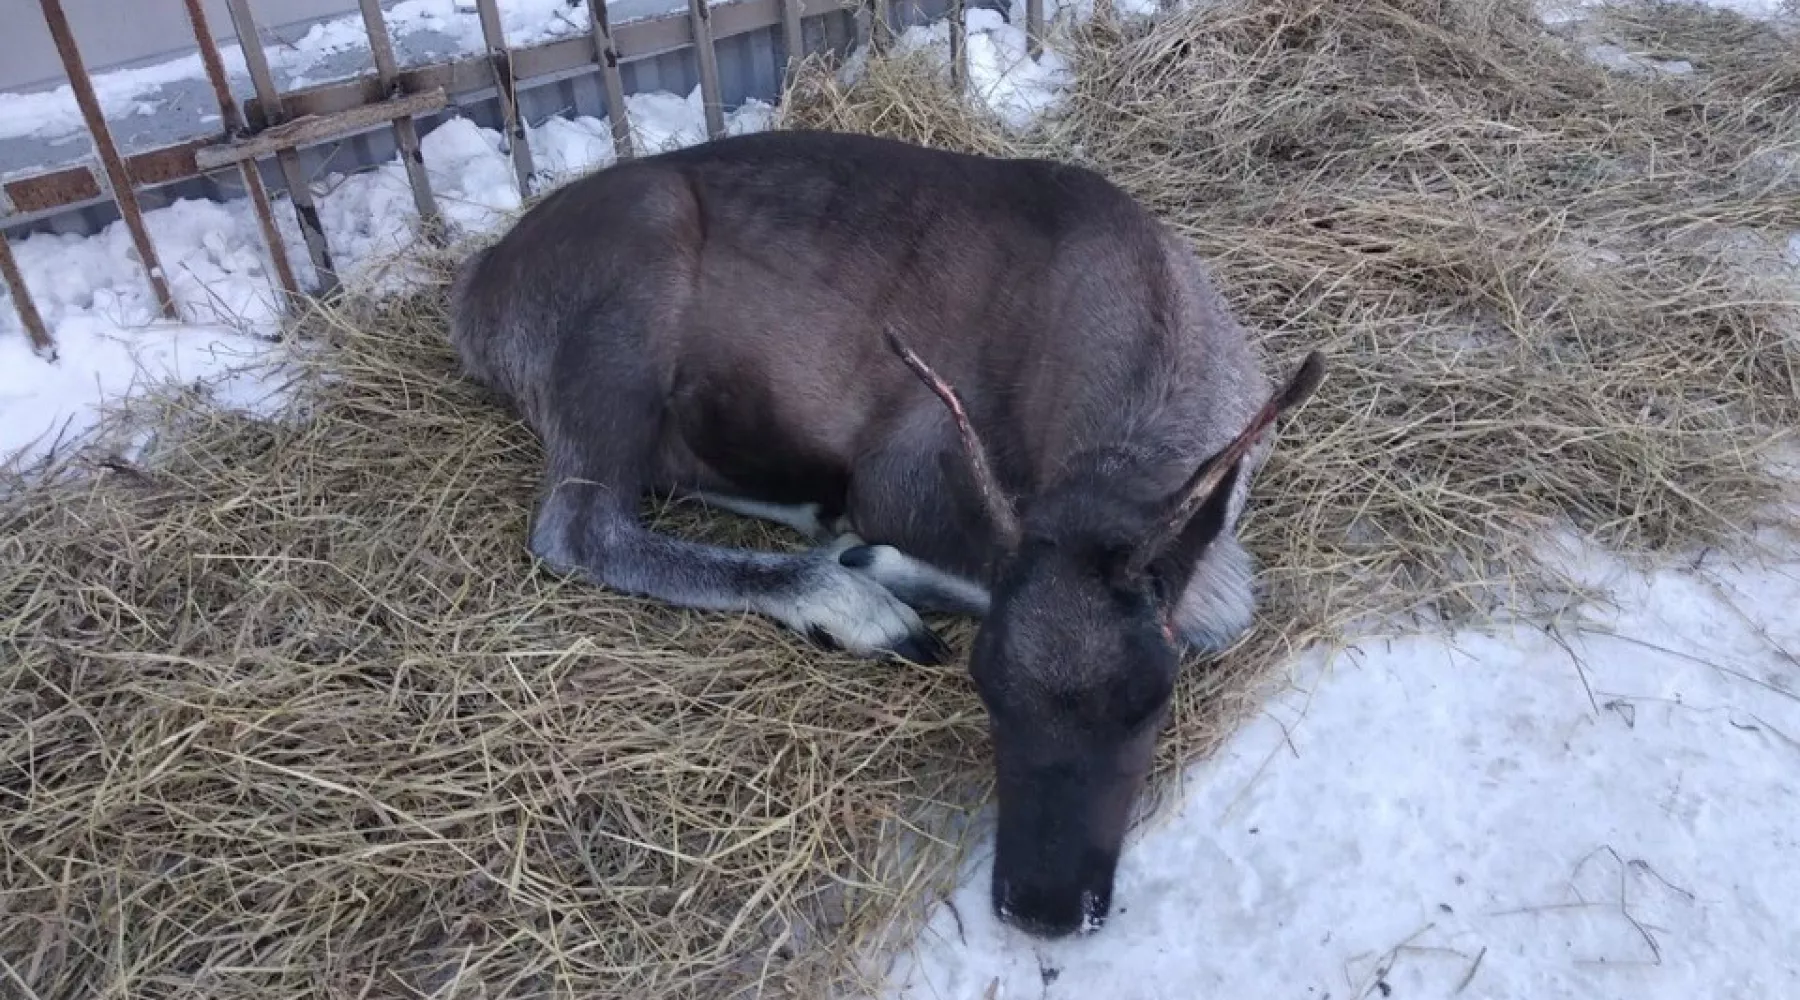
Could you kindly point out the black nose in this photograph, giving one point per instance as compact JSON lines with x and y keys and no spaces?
{"x":1050,"y":912}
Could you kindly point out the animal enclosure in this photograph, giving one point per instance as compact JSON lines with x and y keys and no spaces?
{"x":285,"y":711}
{"x":265,"y":141}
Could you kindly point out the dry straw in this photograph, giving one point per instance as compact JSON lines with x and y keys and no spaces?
{"x":285,"y":711}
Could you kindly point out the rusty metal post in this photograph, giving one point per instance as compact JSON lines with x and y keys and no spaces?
{"x":793,"y":36}
{"x":117,"y":177}
{"x":495,"y":34}
{"x":610,"y":81}
{"x":406,"y":131}
{"x":959,"y":47}
{"x":701,"y":18}
{"x":269,"y":96}
{"x":35,"y":330}
{"x":1034,"y":28}
{"x":234,"y":126}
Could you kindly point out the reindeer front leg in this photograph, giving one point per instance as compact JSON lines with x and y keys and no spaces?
{"x":917,"y":584}
{"x":920,"y":585}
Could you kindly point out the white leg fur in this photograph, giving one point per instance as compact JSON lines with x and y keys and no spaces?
{"x":803,"y":518}
{"x":920,"y":584}
{"x":853,"y":610}
{"x":1219,"y":604}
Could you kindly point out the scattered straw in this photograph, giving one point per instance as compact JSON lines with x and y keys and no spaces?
{"x":285,"y":710}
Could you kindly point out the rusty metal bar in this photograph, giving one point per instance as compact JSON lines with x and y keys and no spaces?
{"x":33,"y":195}
{"x":269,"y":97}
{"x":1034,"y":28}
{"x":495,"y":34}
{"x":608,"y":55}
{"x":959,"y":46}
{"x":35,"y":330}
{"x":215,"y":68}
{"x":708,"y":57}
{"x":77,"y":184}
{"x":297,"y":132}
{"x":233,"y":127}
{"x":117,"y":177}
{"x":406,"y":131}
{"x":474,"y":74}
{"x":794,"y":37}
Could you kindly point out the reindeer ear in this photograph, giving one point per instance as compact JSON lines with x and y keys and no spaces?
{"x":1172,"y":567}
{"x":1207,"y":484}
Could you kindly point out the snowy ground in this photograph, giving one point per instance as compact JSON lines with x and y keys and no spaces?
{"x":1608,"y":813}
{"x":1599,"y":813}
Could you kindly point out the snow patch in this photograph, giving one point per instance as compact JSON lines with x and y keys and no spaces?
{"x":1513,"y":813}
{"x":1016,"y":87}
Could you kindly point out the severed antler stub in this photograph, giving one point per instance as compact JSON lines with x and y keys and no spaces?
{"x":999,"y":507}
{"x":1206,"y":479}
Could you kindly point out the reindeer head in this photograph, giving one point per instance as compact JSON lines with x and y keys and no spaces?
{"x":1076,"y":660}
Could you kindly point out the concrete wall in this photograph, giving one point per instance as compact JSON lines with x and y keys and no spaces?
{"x":128,"y":32}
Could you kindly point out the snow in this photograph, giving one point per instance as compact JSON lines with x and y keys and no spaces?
{"x":1556,"y":12}
{"x":1004,"y":77}
{"x":53,"y":113}
{"x":1591,"y":813}
{"x":109,"y":335}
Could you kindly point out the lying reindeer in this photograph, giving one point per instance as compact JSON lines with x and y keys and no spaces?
{"x":736,"y":321}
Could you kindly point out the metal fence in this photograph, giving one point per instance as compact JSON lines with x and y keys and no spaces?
{"x":281,"y":126}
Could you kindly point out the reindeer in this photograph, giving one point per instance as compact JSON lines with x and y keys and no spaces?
{"x":746,"y":322}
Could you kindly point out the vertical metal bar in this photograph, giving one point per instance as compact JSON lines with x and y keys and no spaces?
{"x":269,"y":97}
{"x":35,"y":330}
{"x":840,"y":29}
{"x":495,"y":34}
{"x":234,"y":126}
{"x":1034,"y":28}
{"x":116,"y":175}
{"x":793,"y":36}
{"x":406,"y":131}
{"x":215,"y":69}
{"x":608,"y":54}
{"x":880,"y":27}
{"x":959,"y":47}
{"x":701,"y":17}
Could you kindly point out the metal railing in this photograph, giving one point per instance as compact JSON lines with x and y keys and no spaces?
{"x":277,"y":125}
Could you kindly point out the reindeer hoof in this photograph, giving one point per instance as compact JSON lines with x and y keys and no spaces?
{"x":841,"y":609}
{"x":926,"y":649}
{"x":858,"y":557}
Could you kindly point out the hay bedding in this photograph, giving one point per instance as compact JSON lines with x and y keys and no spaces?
{"x":287,"y":713}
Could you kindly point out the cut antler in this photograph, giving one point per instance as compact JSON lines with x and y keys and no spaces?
{"x":1194,"y":493}
{"x":999,"y":507}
